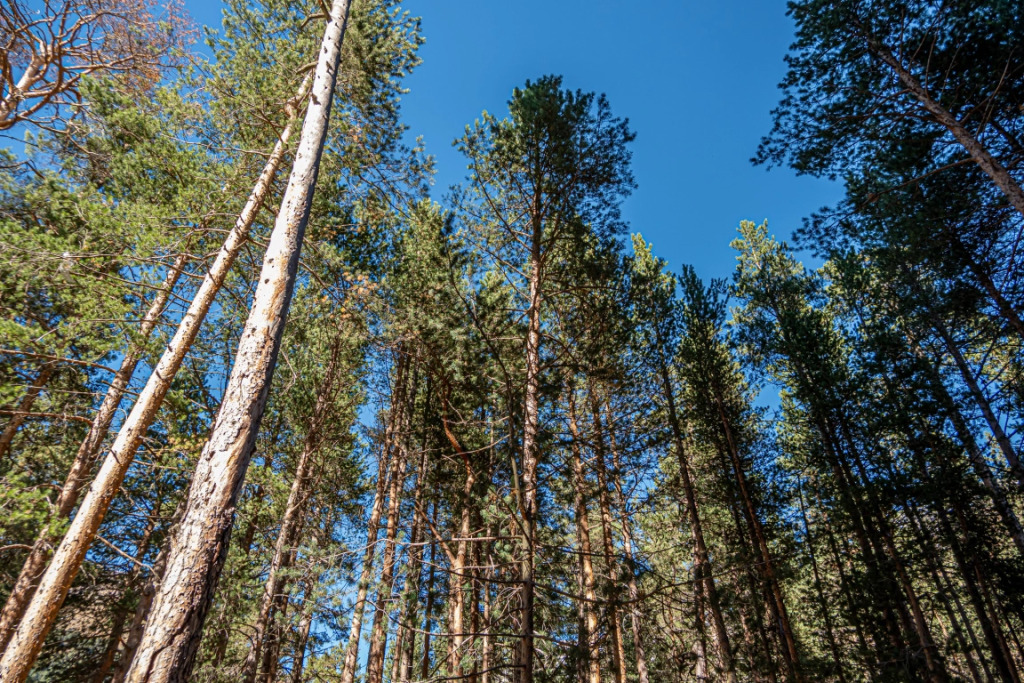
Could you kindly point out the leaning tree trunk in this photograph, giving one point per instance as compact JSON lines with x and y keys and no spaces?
{"x":24,"y":586}
{"x":40,"y":614}
{"x":703,"y":567}
{"x":979,"y":153}
{"x":199,"y":547}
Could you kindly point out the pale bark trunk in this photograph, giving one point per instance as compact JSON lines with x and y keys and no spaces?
{"x":588,"y":599}
{"x":24,"y":586}
{"x":199,"y":547}
{"x":986,"y":162}
{"x":41,"y":612}
{"x":25,"y":406}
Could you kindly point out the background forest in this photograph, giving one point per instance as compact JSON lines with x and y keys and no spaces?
{"x":274,"y":409}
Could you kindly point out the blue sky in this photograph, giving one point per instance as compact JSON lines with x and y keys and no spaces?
{"x":696,"y":79}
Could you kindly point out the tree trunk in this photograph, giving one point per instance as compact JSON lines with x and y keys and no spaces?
{"x":24,"y":586}
{"x":588,"y":598}
{"x":627,"y":542}
{"x":983,"y":403}
{"x":530,"y":456}
{"x":199,"y":548}
{"x":986,"y":162}
{"x":766,"y":565}
{"x":20,"y":654}
{"x":348,"y":671}
{"x":703,"y":568}
{"x":823,"y":605}
{"x":607,"y":543}
{"x":396,"y":445}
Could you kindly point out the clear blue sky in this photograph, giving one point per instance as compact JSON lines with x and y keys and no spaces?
{"x":696,"y":79}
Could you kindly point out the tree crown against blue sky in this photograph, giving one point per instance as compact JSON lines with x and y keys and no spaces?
{"x":696,"y":80}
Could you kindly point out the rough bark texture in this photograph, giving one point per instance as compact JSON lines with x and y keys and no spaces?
{"x":24,"y":647}
{"x":199,"y":546}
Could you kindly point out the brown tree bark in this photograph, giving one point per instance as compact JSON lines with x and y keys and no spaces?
{"x":199,"y":547}
{"x":766,"y":564}
{"x":348,"y":670}
{"x":530,"y":456}
{"x":643,"y":676}
{"x":607,"y":542}
{"x":703,"y":567}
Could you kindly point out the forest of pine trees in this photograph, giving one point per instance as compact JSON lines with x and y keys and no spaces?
{"x":272,"y":413}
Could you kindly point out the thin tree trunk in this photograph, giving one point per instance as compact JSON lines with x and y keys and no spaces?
{"x":385,"y":590}
{"x":348,"y":670}
{"x":299,"y":658}
{"x":199,"y":548}
{"x":25,"y":406}
{"x":982,"y":401}
{"x":24,"y":586}
{"x":402,"y":670}
{"x":703,"y":568}
{"x":607,"y":542}
{"x":837,"y":659}
{"x":530,"y":455}
{"x":974,"y":454}
{"x":295,"y":508}
{"x":627,"y":544}
{"x":588,"y":599}
{"x":21,"y":652}
{"x":428,"y":611}
{"x":767,"y":563}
